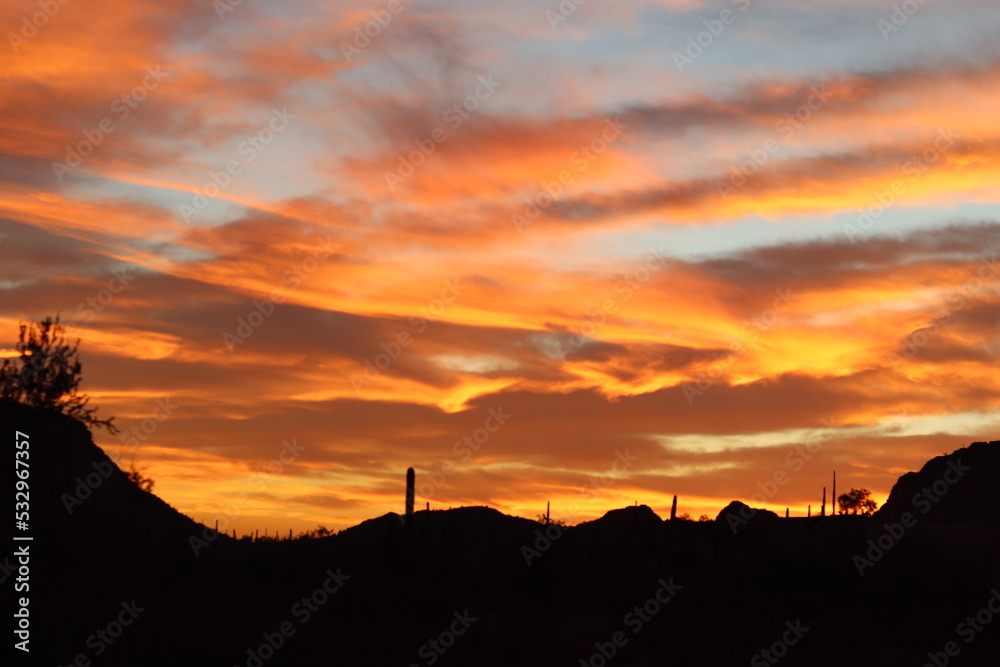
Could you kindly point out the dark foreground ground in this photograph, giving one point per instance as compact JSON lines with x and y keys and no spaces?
{"x":455,"y":588}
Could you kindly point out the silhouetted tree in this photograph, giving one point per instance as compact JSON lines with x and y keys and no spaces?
{"x":857,"y":501}
{"x":47,"y":373}
{"x":704,"y":517}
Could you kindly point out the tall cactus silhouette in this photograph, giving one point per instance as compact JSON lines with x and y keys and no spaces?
{"x":673,"y":509}
{"x":410,"y":480}
{"x":833,"y":498}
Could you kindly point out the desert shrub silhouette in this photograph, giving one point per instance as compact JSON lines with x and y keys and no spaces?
{"x":140,"y":480}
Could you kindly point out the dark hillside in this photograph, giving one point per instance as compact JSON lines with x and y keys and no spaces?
{"x":389,"y":592}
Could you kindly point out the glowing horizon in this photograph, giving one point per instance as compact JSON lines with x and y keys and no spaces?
{"x":352,"y":232}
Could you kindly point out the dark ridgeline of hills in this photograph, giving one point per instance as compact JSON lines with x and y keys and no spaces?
{"x":403,"y":584}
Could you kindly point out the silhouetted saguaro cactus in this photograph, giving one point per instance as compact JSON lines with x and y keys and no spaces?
{"x":833,"y":498}
{"x":673,"y":509}
{"x":410,"y":481}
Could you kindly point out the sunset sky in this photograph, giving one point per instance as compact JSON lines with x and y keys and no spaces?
{"x":591,"y":253}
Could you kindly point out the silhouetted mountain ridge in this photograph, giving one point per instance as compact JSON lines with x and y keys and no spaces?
{"x":540,"y":594}
{"x":85,"y":492}
{"x":959,"y":488}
